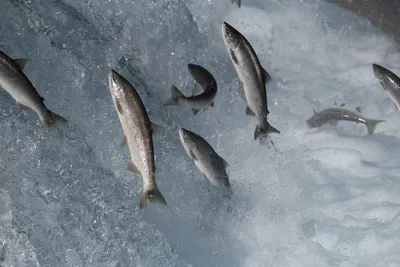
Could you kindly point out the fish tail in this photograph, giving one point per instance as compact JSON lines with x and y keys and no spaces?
{"x":152,"y":196}
{"x":53,"y":119}
{"x":263,"y":131}
{"x":371,"y":125}
{"x":175,"y":96}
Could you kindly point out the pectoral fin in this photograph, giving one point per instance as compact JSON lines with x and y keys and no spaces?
{"x":249,"y":112}
{"x":384,"y":88}
{"x":226,"y":165}
{"x":21,"y":62}
{"x":333,"y":122}
{"x":192,"y":155}
{"x":233,"y":57}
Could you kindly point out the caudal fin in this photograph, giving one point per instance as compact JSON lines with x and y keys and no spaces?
{"x":263,"y":131}
{"x":152,"y":196}
{"x":53,"y":119}
{"x":175,"y":95}
{"x":371,"y":125}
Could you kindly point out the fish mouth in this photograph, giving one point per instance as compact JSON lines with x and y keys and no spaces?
{"x":378,"y":71}
{"x":183,"y":133}
{"x":226,"y":25}
{"x":225,"y":28}
{"x":230,"y":35}
{"x":114,"y":79}
{"x":112,"y":76}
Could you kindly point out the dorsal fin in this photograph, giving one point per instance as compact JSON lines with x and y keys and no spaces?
{"x":341,"y":105}
{"x":266,"y":76}
{"x":314,"y":111}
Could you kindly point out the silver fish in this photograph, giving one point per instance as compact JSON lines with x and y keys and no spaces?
{"x":19,"y":87}
{"x":390,"y":83}
{"x":338,"y":113}
{"x":138,"y":135}
{"x":208,"y":162}
{"x":238,"y":2}
{"x":203,"y":93}
{"x":253,"y":78}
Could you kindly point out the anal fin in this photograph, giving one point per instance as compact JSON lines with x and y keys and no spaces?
{"x":118,"y":105}
{"x":123,"y":143}
{"x":21,"y":106}
{"x":383,"y":86}
{"x":234,"y":59}
{"x":249,"y":112}
{"x":132,"y":167}
{"x":195,"y":111}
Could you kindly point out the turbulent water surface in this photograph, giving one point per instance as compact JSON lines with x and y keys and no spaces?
{"x":324,"y":197}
